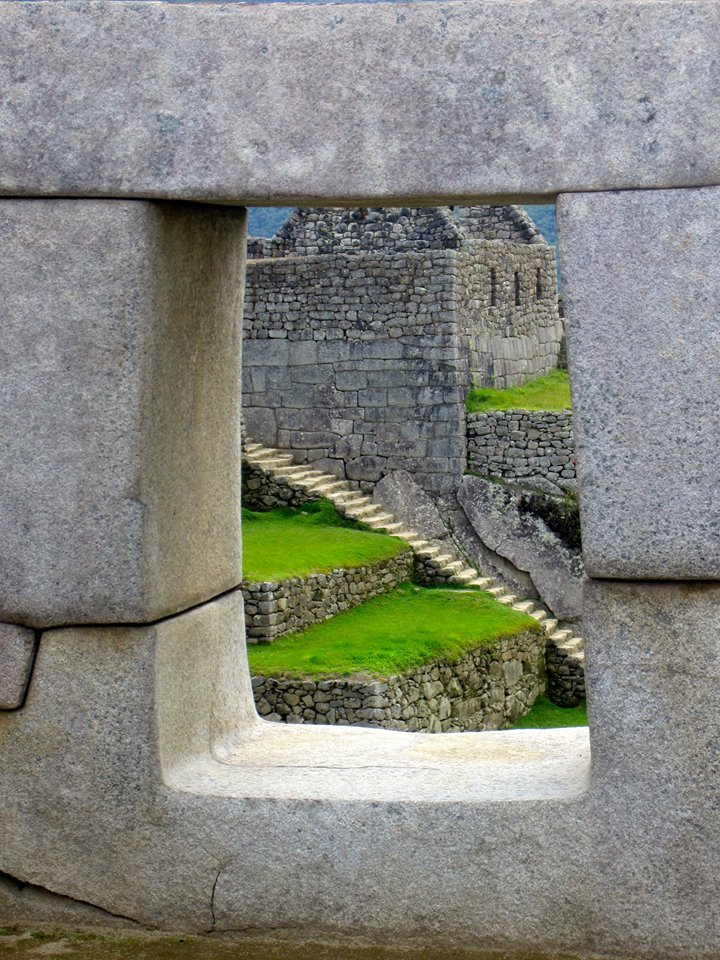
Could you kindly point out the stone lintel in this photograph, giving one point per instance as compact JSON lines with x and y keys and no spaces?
{"x":308,"y":105}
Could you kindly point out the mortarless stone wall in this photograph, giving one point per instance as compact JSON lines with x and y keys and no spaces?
{"x":364,"y":329}
{"x":262,"y":491}
{"x":354,"y":363}
{"x":521,"y":445}
{"x":484,"y":690}
{"x":274,"y":608}
{"x":506,"y":298}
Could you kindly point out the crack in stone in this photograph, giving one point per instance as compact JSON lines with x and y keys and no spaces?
{"x":22,"y":885}
{"x":212,"y":897}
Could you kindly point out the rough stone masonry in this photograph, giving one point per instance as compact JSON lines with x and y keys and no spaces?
{"x":137,"y":783}
{"x":365,"y":328}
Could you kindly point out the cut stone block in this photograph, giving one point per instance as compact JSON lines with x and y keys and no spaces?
{"x":653,"y":668}
{"x":119,"y":408}
{"x":241,"y":102}
{"x":17,"y":649}
{"x":642,"y":286}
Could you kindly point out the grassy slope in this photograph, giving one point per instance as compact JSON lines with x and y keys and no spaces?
{"x":288,"y":543}
{"x":546,"y":714}
{"x":392,"y":633}
{"x":551,"y":392}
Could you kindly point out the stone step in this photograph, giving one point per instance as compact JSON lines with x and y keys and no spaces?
{"x":324,"y":487}
{"x":294,"y":472}
{"x":507,"y":600}
{"x":549,"y":626}
{"x":463,"y":577}
{"x":452,"y":566}
{"x":570,"y":646}
{"x":482,"y":582}
{"x":252,"y":447}
{"x":343,"y":497}
{"x":427,"y":551}
{"x":498,"y":591}
{"x":538,"y":615}
{"x":560,"y":636}
{"x":524,"y":606}
{"x":269,"y":461}
{"x":363,"y":512}
{"x":445,"y":562}
{"x":380,"y":522}
{"x":396,"y":530}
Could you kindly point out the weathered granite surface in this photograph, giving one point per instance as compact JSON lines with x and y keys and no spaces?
{"x":119,"y":386}
{"x":17,"y":651}
{"x":400,"y":495}
{"x":289,"y":104}
{"x":158,"y":794}
{"x":527,"y":542}
{"x":642,"y":306}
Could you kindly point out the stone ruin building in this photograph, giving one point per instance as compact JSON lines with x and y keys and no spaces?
{"x":365,"y":328}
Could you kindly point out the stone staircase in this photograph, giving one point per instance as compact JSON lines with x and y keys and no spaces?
{"x":435,"y":565}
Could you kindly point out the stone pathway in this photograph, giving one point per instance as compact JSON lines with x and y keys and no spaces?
{"x":565,"y":648}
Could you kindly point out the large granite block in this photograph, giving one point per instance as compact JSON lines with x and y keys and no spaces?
{"x":119,"y":408}
{"x":297,"y":103}
{"x":653,"y":669}
{"x":642,"y":285}
{"x":17,"y":650}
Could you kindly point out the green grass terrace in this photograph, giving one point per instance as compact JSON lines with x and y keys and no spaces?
{"x":551,"y":392}
{"x":393,"y":633}
{"x":283,"y":543}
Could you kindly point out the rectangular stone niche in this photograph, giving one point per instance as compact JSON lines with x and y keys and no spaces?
{"x":119,"y":408}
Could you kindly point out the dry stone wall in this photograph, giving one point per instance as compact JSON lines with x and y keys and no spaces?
{"x":262,"y":491}
{"x":522,"y":445}
{"x":498,"y":223}
{"x":274,"y":608}
{"x":506,"y":298}
{"x":354,"y":364}
{"x":486,"y":689}
{"x":365,"y":328}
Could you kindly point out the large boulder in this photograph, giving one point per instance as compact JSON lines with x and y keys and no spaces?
{"x":495,"y":513}
{"x":405,"y":499}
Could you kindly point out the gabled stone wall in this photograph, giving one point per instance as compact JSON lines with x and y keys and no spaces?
{"x":506,"y":299}
{"x":364,"y":330}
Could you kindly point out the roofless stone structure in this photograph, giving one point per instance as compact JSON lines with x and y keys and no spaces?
{"x":137,"y":783}
{"x":365,"y":328}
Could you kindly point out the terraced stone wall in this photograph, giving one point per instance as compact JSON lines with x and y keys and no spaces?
{"x":486,"y":689}
{"x":522,"y":445}
{"x":262,"y":491}
{"x":274,"y":608}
